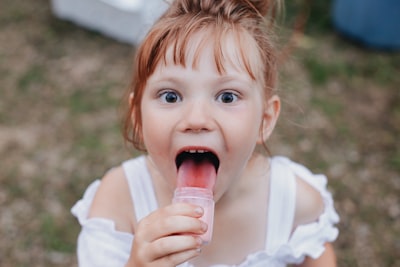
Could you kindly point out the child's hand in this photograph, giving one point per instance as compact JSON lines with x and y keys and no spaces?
{"x":167,"y":237}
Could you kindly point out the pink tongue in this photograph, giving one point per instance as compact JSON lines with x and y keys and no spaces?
{"x":197,"y":174}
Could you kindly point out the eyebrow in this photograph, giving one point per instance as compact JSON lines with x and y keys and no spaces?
{"x":230,"y":78}
{"x":218,"y":80}
{"x":168,"y":78}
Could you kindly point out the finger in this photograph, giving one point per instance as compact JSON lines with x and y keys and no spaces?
{"x":184,"y":209}
{"x":166,"y":224}
{"x":182,"y":224}
{"x":173,"y":244}
{"x":170,"y":220}
{"x":165,"y":247}
{"x":178,"y":258}
{"x":171,"y":225}
{"x":170,"y":260}
{"x":181,"y":209}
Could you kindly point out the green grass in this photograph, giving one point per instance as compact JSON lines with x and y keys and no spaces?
{"x":35,"y":75}
{"x":382,"y":68}
{"x":10,"y":182}
{"x":318,"y":14}
{"x":92,"y":99}
{"x":57,"y":235}
{"x":394,"y":160}
{"x":330,"y":106}
{"x":322,"y":72}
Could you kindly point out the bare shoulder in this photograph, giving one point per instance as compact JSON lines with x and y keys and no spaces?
{"x":309,"y":203}
{"x":113,"y":200}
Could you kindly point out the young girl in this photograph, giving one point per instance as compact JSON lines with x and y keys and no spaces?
{"x":201,"y":103}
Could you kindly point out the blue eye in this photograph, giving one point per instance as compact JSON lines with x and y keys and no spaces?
{"x":170,"y":97}
{"x":227,"y":97}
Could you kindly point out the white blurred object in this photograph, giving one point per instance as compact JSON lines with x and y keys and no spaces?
{"x":124,"y":20}
{"x":127,"y":5}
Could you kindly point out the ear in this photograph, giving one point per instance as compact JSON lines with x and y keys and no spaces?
{"x":271,"y":113}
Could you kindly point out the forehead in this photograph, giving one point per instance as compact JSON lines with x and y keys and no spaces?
{"x":229,"y":49}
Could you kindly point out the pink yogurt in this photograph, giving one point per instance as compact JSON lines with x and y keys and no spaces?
{"x":201,"y":197}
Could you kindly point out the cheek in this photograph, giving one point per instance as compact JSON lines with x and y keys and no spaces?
{"x":249,"y":121}
{"x":247,"y":133}
{"x":244,"y":135}
{"x":152,"y":138}
{"x":151,"y":127}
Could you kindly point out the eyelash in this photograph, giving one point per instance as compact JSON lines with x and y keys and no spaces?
{"x":163,"y":95}
{"x":225,"y":93}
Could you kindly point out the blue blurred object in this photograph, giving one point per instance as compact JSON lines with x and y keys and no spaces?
{"x":374,"y":23}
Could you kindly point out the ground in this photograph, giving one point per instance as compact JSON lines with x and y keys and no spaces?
{"x":61,"y":87}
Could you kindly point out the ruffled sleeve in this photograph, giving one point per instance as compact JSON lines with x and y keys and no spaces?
{"x":99,"y":243}
{"x":309,"y":239}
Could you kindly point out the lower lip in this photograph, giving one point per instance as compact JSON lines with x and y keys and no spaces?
{"x":200,"y":197}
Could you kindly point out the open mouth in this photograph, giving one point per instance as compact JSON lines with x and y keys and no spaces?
{"x":198,"y":157}
{"x":197,"y":168}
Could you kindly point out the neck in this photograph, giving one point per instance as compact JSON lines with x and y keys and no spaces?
{"x":163,"y":191}
{"x":255,"y":175}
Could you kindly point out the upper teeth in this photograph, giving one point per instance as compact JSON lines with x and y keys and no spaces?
{"x":196,"y":151}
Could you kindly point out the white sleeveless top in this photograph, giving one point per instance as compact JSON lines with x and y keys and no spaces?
{"x":99,"y":244}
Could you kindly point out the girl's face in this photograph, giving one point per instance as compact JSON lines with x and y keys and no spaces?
{"x":197,"y":108}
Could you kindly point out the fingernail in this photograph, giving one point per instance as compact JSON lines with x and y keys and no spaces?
{"x":204,"y":226}
{"x":199,"y":241}
{"x":199,"y":210}
{"x":198,"y":250}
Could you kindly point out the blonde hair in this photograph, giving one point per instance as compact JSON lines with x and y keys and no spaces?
{"x":175,"y":29}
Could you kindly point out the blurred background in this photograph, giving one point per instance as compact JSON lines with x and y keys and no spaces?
{"x":61,"y":89}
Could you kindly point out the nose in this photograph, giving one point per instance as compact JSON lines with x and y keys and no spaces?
{"x":197,"y":117}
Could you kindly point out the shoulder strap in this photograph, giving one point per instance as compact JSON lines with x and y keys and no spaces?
{"x":281,"y":207}
{"x":140,"y":186}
